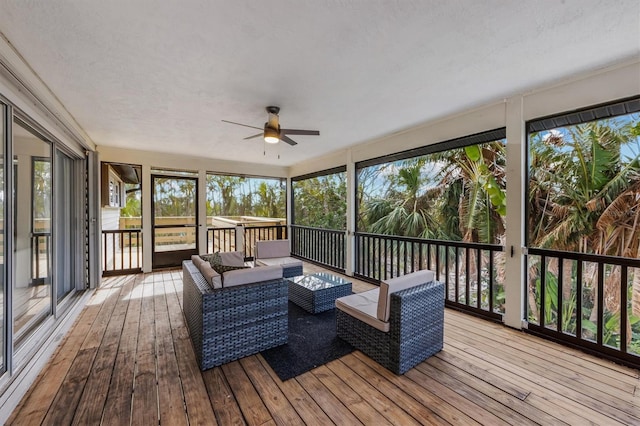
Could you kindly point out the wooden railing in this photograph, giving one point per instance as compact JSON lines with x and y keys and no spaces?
{"x":261,"y":233}
{"x":469,"y":270}
{"x":322,"y":246}
{"x":122,"y":251}
{"x":221,"y":239}
{"x":586,"y":300}
{"x":40,"y":257}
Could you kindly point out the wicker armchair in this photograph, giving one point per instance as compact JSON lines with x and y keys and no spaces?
{"x":232,"y":322}
{"x":276,"y":252}
{"x":413,"y":332}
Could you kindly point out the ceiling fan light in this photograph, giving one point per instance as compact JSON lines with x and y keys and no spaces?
{"x":271,"y":135}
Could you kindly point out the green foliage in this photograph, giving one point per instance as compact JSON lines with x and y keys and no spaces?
{"x":321,"y":201}
{"x":454,"y":195}
{"x":133,"y":206}
{"x":245,"y":196}
{"x":576,"y":175}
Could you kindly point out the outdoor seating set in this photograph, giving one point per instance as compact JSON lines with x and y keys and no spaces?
{"x":241,"y":311}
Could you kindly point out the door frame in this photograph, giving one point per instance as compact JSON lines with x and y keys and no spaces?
{"x":168,"y":259}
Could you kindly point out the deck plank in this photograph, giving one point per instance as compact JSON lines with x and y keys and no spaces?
{"x":117,"y":408}
{"x":417,"y":410}
{"x":129,"y":354}
{"x":332,"y":406}
{"x":604,"y":404}
{"x":171,"y":399}
{"x":281,"y":410}
{"x":197,"y":403}
{"x":251,"y":405}
{"x":461,"y":380}
{"x":225,"y":406}
{"x":305,"y":406}
{"x":91,"y":404}
{"x":424,"y":395}
{"x":380,"y":402}
{"x":69,"y":394}
{"x":360,"y":408}
{"x":36,"y":402}
{"x":145,"y":408}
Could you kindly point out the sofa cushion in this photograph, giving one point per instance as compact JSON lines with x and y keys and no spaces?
{"x":208,"y":273}
{"x":396,"y":284}
{"x":272,"y":248}
{"x":232,"y":258}
{"x":251,"y":275}
{"x":363,"y":306}
{"x":284,"y":261}
{"x":197,"y":260}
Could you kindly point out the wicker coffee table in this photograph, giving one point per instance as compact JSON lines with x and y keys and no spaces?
{"x":317,"y":292}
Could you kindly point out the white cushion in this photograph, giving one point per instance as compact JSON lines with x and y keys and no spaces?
{"x":284,"y":261}
{"x":396,"y":284}
{"x":197,"y":260}
{"x":272,"y":248}
{"x":363,"y":306}
{"x":251,"y":275}
{"x":213,"y":278}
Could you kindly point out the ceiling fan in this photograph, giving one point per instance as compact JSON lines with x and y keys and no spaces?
{"x":272,"y":133}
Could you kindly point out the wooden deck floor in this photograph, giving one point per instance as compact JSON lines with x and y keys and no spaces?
{"x":129,"y":360}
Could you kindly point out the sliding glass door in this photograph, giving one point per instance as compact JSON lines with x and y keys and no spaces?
{"x":32,"y":197}
{"x":65,"y":233}
{"x":3,"y":302}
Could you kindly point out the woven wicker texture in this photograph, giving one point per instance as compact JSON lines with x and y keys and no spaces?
{"x":315,"y":301}
{"x":230,"y":323}
{"x":416,"y":329}
{"x":291,"y":271}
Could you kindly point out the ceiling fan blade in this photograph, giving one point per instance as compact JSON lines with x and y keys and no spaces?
{"x":299,"y":132}
{"x":240,"y":124}
{"x":287,"y":139}
{"x":254,"y":136}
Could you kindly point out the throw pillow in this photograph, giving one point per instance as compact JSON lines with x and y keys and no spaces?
{"x":216,"y":263}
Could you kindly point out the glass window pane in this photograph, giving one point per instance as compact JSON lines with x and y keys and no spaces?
{"x":32,"y":246}
{"x":64,"y":224}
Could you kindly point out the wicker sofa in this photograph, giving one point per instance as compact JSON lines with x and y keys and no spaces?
{"x":276,"y":252}
{"x":246,"y":314}
{"x":399,"y":324}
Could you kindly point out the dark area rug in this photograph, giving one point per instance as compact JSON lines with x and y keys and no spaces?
{"x":312,"y":342}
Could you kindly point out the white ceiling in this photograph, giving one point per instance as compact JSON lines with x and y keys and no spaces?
{"x":160,"y":75}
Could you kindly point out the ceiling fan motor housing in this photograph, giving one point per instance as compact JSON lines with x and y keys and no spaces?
{"x":271,"y":134}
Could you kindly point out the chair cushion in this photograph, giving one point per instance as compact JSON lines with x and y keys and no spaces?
{"x":363,"y":306}
{"x":272,"y":248}
{"x":251,"y":275}
{"x":232,"y":258}
{"x":397,"y":284}
{"x":284,"y":261}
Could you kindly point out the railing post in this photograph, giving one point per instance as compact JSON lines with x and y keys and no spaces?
{"x":240,"y":237}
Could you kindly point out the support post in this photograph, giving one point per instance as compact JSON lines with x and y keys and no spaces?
{"x":351,"y":215}
{"x":515,"y":222}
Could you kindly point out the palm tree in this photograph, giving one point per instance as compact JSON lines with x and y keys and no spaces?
{"x":584,"y":198}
